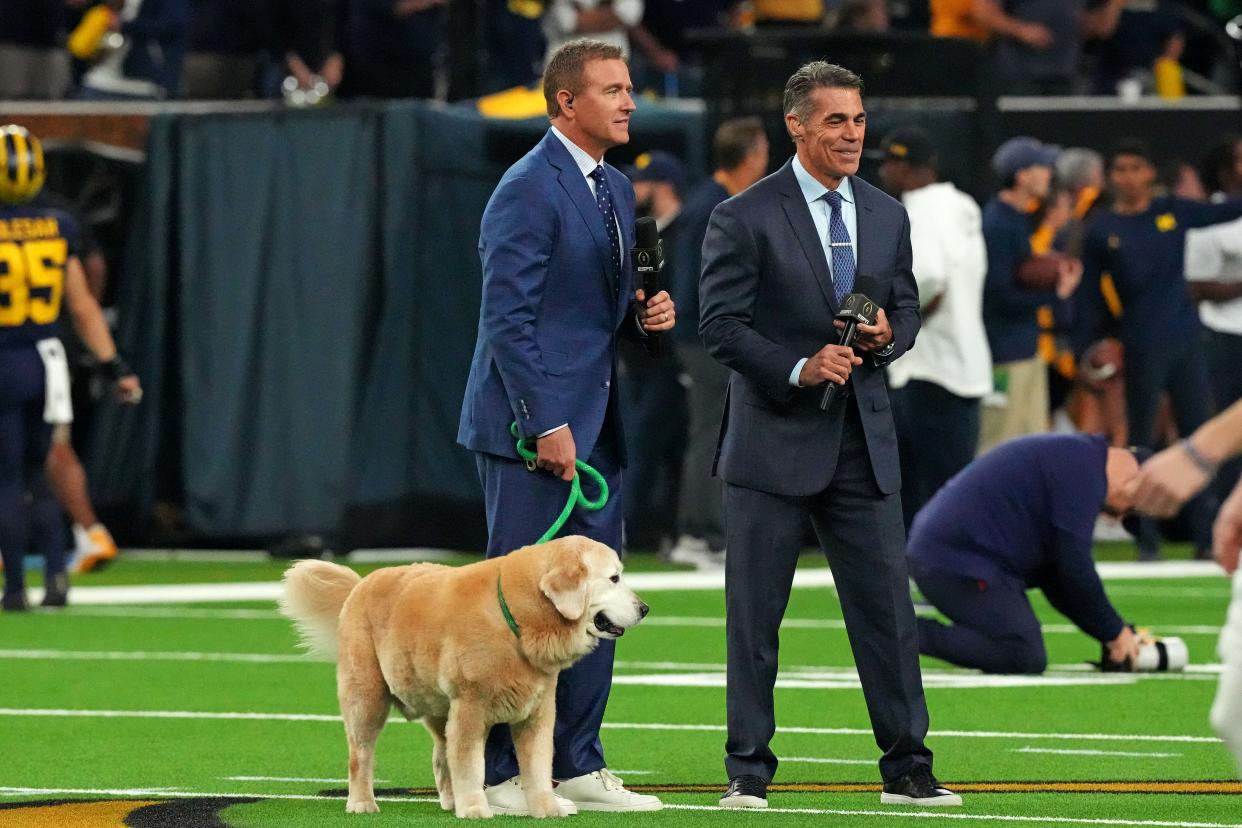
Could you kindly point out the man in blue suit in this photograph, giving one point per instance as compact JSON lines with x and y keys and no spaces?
{"x":778,"y":259}
{"x":557,"y":292}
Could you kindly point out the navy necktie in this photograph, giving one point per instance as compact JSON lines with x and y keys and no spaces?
{"x":603,"y":199}
{"x":842,"y":251}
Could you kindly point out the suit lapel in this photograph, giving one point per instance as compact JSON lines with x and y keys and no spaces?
{"x":576,"y":187}
{"x":866,"y":228}
{"x":799,"y":215}
{"x":623,"y":206}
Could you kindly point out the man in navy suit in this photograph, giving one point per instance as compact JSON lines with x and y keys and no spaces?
{"x":557,"y":292}
{"x":777,"y":261}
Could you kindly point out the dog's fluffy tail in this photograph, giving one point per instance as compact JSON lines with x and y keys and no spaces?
{"x":314,"y":592}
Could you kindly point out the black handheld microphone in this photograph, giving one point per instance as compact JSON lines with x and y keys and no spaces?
{"x":856,"y":309}
{"x":648,"y":259}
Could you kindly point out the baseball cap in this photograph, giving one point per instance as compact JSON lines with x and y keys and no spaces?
{"x":910,"y":144}
{"x":1020,"y":153}
{"x":657,"y":165}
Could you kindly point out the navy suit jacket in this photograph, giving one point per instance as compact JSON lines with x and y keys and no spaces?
{"x":766,"y":302}
{"x":552,"y":306}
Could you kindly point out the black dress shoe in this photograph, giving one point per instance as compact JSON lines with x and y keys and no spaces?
{"x":745,"y":792}
{"x":918,"y":787}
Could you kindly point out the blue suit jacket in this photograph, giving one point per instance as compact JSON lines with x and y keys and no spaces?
{"x":552,"y":306}
{"x":766,"y":302}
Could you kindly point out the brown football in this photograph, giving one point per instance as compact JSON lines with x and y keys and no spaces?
{"x":1039,"y":272}
{"x":1102,"y":361}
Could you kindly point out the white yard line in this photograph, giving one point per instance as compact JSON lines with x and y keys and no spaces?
{"x":893,"y":813}
{"x":848,"y":680}
{"x":708,"y":728}
{"x":1222,"y":592}
{"x":707,"y":621}
{"x":963,"y":734}
{"x":93,"y":655}
{"x":942,"y":814}
{"x":816,"y":578}
{"x":698,"y":675}
{"x":178,"y":794}
{"x":839,"y":624}
{"x":179,"y":613}
{"x":289,"y":779}
{"x":1063,"y":752}
{"x":825,"y":760}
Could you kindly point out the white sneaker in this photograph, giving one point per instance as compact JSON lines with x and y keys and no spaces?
{"x":1109,"y":529}
{"x":509,"y":799}
{"x":603,"y":790}
{"x":688,"y":550}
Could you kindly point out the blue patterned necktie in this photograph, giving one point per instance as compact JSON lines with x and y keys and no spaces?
{"x":603,"y":199}
{"x":842,"y":251}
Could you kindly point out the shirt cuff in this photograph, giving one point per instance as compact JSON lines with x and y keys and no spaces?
{"x":553,"y":430}
{"x":796,"y":372}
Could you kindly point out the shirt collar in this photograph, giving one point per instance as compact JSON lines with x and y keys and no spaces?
{"x":813,"y":189}
{"x":586,"y":164}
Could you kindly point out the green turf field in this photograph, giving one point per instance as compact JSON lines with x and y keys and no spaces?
{"x":191,"y":713}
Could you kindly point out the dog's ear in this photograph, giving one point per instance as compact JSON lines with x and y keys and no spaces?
{"x":566,"y":585}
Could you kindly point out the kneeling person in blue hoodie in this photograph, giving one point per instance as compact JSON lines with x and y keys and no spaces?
{"x":1020,"y":517}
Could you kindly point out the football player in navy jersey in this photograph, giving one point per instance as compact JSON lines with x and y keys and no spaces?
{"x":40,"y":275}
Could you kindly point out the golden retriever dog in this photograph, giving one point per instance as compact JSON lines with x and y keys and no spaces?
{"x":436,"y":642}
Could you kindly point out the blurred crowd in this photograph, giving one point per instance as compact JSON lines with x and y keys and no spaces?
{"x":1089,"y":293}
{"x":311,"y":50}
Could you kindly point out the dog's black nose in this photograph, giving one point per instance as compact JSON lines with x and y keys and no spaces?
{"x":643,"y":609}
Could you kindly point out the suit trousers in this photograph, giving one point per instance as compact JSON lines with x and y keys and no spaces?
{"x":860,"y":531}
{"x":521,"y":505}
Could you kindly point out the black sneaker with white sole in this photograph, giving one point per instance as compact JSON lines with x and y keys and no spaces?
{"x":745,"y":792}
{"x":918,"y":787}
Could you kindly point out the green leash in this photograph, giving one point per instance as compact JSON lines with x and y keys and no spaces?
{"x":576,"y":497}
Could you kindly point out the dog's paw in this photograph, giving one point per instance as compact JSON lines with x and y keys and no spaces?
{"x":543,"y":805}
{"x":474,"y":811}
{"x":367,"y":807}
{"x":446,"y":801}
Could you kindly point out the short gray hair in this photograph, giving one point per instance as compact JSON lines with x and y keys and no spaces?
{"x":1078,"y":166}
{"x":816,"y":75}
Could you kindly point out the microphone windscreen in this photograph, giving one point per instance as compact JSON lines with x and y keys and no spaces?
{"x":645,"y":232}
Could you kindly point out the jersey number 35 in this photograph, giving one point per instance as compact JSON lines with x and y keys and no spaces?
{"x":32,"y":281}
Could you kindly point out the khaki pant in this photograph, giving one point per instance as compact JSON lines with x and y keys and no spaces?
{"x":27,"y":73}
{"x":1018,"y":406}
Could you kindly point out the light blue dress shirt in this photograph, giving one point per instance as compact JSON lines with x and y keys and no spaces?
{"x":813,"y":191}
